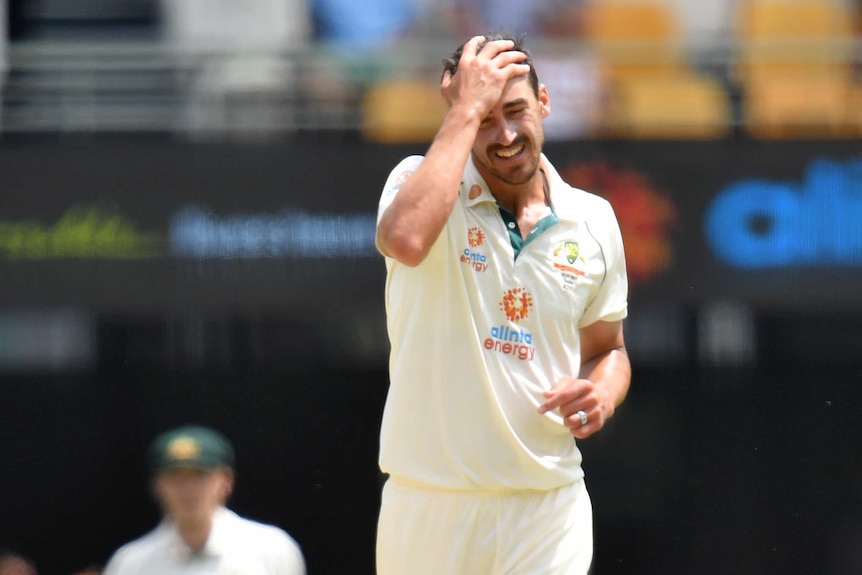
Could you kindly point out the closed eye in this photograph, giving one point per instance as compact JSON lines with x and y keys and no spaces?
{"x":514,"y":106}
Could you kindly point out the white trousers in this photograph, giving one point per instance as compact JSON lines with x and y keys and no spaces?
{"x":431,"y":532}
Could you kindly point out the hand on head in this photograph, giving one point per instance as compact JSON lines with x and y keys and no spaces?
{"x":483,"y":71}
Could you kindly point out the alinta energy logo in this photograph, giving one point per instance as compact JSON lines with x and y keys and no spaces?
{"x":475,"y":259}
{"x":517,"y":303}
{"x":646,"y":216}
{"x":398,"y":182}
{"x":475,"y":237}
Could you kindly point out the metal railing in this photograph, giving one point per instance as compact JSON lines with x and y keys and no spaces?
{"x":152,"y":86}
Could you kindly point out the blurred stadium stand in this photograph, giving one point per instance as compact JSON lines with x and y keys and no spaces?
{"x":655,"y":88}
{"x":787,"y":67}
{"x":795,"y":68}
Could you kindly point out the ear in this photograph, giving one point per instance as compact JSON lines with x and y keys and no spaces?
{"x":544,"y":101}
{"x":445,"y":82}
{"x":155,"y":489}
{"x":227,"y":484}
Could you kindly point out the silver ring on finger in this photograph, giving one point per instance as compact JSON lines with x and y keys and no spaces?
{"x":584,"y":419}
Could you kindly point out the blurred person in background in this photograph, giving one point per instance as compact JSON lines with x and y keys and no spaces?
{"x":572,"y":73}
{"x":192,"y":478}
{"x":214,"y":27}
{"x":505,"y":297}
{"x":356,"y":45}
{"x":361,"y":25}
{"x":231,"y":57}
{"x":12,"y":563}
{"x":514,"y":17}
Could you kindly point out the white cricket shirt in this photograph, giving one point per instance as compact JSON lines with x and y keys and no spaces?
{"x":236,"y":546}
{"x":477,"y":335}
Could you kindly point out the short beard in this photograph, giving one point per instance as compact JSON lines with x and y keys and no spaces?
{"x":512,"y":182}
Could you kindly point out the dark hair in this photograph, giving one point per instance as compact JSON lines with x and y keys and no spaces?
{"x":450,"y":64}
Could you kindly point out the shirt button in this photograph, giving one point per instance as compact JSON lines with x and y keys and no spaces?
{"x":511,"y":225}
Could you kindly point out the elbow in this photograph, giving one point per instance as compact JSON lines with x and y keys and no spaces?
{"x":407,"y":250}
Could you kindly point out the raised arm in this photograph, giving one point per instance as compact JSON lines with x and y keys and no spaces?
{"x":413,"y":221}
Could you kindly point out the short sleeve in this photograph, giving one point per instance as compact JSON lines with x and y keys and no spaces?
{"x":611,"y":300}
{"x":120,"y":563}
{"x":113,"y":566}
{"x":290,"y":560}
{"x":396,"y":179}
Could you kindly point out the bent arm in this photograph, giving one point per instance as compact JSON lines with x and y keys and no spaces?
{"x":605,"y":362}
{"x":413,"y":221}
{"x":411,"y":224}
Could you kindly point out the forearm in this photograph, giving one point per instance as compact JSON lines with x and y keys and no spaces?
{"x":414,"y":220}
{"x":611,"y":370}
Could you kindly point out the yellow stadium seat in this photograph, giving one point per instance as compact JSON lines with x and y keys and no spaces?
{"x":793,"y":36}
{"x":792,"y":18}
{"x":634,"y":37}
{"x":808,"y":105}
{"x":855,"y":106}
{"x":402,"y":111}
{"x":676,"y":107}
{"x":794,"y":67}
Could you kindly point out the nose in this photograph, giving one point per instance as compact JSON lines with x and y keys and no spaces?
{"x":506,"y":134}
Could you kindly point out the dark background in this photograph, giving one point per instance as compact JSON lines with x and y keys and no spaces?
{"x":741,"y":463}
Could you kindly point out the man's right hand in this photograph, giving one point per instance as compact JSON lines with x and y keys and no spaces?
{"x":483,"y":71}
{"x":411,"y":224}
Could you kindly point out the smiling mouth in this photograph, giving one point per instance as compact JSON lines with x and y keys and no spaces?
{"x":510,"y":153}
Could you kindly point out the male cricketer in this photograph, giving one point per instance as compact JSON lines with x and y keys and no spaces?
{"x":505,"y":294}
{"x":192,"y":470}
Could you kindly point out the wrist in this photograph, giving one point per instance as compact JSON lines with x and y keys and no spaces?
{"x":606,"y":402}
{"x":465,"y":114}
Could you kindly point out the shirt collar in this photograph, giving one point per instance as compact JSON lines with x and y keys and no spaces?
{"x":562,"y":195}
{"x":564,"y":198}
{"x":474,"y":187}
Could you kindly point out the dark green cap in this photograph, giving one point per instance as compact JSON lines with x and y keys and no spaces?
{"x":190,"y":446}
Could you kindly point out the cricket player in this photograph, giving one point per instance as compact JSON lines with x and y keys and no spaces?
{"x":192,"y":471}
{"x":505,"y":296}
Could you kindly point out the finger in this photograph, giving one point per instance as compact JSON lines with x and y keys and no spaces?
{"x":471,"y":48}
{"x":568,"y":398}
{"x":557,"y":386}
{"x":566,"y":390}
{"x":509,"y":57}
{"x":584,"y":431}
{"x":493,"y":48}
{"x":516,"y":70}
{"x":556,"y":398}
{"x":581,"y":430}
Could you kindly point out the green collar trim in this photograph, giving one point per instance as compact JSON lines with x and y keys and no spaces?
{"x":518,"y":242}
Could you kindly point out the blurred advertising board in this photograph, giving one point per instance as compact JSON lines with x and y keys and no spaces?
{"x":152,"y":224}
